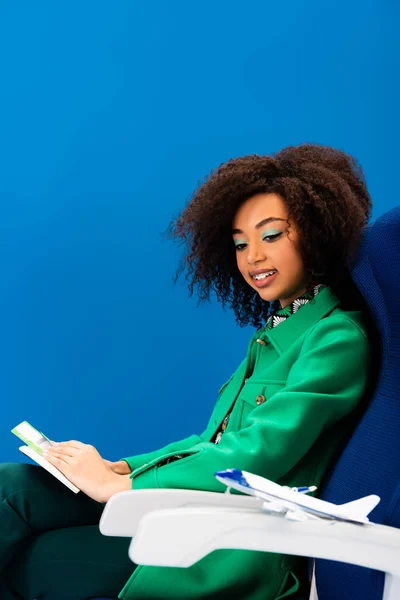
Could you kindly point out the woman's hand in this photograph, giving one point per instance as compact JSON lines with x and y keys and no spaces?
{"x":120,"y":467}
{"x":85,"y":468}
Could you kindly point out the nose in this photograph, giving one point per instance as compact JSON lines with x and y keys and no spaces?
{"x":255,"y":253}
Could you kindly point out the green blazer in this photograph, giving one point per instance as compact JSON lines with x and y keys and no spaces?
{"x":291,"y":396}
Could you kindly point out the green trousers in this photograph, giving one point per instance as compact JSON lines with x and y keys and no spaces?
{"x":50,"y":544}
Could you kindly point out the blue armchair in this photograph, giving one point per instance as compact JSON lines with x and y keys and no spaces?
{"x":179,"y":527}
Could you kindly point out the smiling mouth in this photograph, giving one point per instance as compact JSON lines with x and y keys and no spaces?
{"x":263,"y":275}
{"x":264,"y":279}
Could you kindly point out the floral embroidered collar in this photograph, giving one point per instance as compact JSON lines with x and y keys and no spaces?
{"x":284,"y":313}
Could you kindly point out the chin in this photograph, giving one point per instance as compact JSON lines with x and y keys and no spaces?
{"x":267,"y":295}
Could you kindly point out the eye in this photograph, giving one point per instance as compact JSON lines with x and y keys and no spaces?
{"x":240,"y":247}
{"x":272,"y":237}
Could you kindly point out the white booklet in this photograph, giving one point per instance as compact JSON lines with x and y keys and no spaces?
{"x":36,"y":442}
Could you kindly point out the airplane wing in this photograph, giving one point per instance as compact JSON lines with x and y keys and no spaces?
{"x":275,"y":508}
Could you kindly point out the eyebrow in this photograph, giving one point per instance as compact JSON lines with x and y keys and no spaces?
{"x":260,"y":224}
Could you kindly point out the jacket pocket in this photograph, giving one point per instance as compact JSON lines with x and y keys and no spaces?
{"x":255,"y":394}
{"x":159,"y":459}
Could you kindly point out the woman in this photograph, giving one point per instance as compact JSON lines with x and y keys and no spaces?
{"x":273,"y":238}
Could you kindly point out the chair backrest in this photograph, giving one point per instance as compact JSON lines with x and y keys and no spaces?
{"x":370,"y":462}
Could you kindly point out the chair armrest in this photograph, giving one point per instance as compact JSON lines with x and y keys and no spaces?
{"x":198,"y":531}
{"x":123,"y":512}
{"x":179,"y":527}
{"x":181,"y":537}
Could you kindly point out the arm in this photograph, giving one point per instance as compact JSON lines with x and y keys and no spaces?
{"x":134,"y":462}
{"x":324,"y":385}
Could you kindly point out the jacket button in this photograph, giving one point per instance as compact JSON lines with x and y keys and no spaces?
{"x":261,"y":342}
{"x":260,"y":399}
{"x":225,"y":423}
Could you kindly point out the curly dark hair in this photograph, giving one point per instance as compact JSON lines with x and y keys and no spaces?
{"x":325,"y":192}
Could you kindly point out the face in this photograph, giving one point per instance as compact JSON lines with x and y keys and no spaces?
{"x":268,"y":248}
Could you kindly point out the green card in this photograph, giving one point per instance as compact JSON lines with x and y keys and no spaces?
{"x":32,"y":437}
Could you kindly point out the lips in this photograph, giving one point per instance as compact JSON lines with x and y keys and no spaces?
{"x":262,"y":283}
{"x":259,"y":271}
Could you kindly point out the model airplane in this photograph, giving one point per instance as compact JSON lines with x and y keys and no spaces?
{"x":293,"y":503}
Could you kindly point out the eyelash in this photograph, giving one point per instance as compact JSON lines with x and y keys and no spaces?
{"x":269,"y":238}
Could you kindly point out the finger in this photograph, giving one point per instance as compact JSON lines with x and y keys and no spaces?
{"x":73,"y":444}
{"x":58,"y":461}
{"x":58,"y":455}
{"x":65,"y":450}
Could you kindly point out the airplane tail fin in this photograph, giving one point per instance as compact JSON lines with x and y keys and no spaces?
{"x":361,"y":507}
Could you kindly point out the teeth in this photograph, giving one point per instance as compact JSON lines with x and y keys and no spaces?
{"x":263,"y":275}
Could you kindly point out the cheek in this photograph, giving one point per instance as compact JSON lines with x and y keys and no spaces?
{"x":289,"y":258}
{"x":297,"y":264}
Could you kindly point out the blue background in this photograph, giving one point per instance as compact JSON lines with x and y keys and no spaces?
{"x":111,"y":113}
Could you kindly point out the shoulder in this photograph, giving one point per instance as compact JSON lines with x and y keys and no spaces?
{"x":335,"y":350}
{"x":341,"y":337}
{"x":342,"y":322}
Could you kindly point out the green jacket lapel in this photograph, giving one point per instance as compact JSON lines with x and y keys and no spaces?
{"x":283,"y":336}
